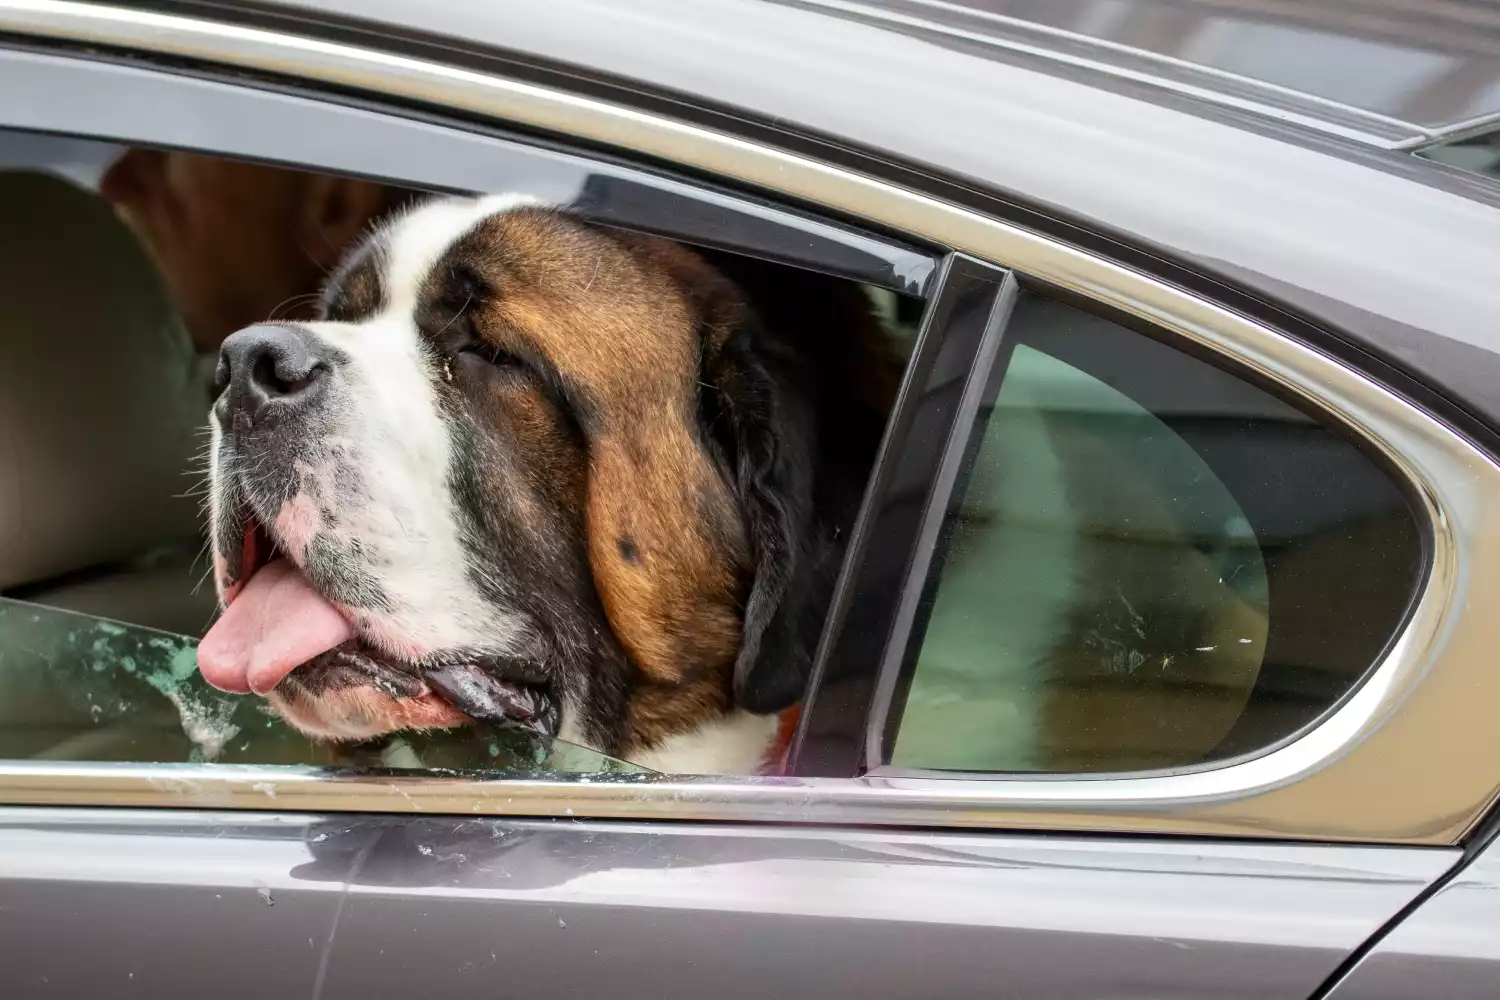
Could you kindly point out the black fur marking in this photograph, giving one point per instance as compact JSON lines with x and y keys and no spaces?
{"x":356,"y":291}
{"x":796,"y":424}
{"x":445,"y":314}
{"x":342,"y":575}
{"x":546,"y":577}
{"x":628,"y":551}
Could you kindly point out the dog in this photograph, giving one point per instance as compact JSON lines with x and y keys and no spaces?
{"x":532,"y":470}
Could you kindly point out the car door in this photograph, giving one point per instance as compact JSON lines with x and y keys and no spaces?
{"x":1443,"y":947}
{"x":1066,"y":740}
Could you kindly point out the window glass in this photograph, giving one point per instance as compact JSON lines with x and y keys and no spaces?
{"x":1152,"y":563}
{"x":122,"y":270}
{"x":1479,"y":154}
{"x":84,"y":688}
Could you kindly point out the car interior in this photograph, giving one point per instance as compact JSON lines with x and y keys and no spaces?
{"x":98,"y":517}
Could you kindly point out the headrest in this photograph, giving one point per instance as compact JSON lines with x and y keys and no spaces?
{"x":101,"y":398}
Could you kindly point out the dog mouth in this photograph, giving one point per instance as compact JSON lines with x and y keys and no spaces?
{"x":278,"y":634}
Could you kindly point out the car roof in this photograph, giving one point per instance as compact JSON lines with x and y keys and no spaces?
{"x":1395,"y":73}
{"x":1389,"y":66}
{"x":1388,"y":73}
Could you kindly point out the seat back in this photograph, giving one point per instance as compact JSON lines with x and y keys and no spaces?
{"x":101,"y":402}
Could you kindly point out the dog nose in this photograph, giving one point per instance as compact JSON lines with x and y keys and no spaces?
{"x":265,"y":364}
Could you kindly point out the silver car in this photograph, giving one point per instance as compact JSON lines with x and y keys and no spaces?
{"x":1197,"y":701}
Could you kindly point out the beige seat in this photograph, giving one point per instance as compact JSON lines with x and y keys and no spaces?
{"x":102,"y":403}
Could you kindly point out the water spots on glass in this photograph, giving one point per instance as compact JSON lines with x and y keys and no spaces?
{"x":74,"y":687}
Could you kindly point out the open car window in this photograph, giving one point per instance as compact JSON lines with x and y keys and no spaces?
{"x":106,"y":564}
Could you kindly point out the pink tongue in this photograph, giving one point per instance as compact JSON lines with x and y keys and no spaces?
{"x":276,"y":623}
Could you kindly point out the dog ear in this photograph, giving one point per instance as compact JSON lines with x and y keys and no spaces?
{"x":758,"y":410}
{"x":666,"y":546}
{"x":722,"y":543}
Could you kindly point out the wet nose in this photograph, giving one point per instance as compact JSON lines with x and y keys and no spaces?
{"x":267,"y":366}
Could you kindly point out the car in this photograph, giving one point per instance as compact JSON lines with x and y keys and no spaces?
{"x":1160,"y":662}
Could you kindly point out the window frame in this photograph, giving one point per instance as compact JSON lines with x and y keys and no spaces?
{"x":1434,"y":148}
{"x":874,"y":604}
{"x":853,"y":729}
{"x":1421,"y":708}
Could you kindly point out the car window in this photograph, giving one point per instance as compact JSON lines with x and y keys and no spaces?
{"x":106,"y":379}
{"x":1152,"y":563}
{"x":85,"y":688}
{"x":1476,"y":154}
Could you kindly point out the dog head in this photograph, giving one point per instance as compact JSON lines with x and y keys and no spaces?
{"x":533,"y":470}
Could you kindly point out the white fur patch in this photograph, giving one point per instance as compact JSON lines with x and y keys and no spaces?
{"x":216,"y":507}
{"x":418,"y":239}
{"x":734,"y":744}
{"x":393,"y":432}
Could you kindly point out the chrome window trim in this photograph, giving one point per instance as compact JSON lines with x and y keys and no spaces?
{"x":1449,"y":134}
{"x":1378,"y":769}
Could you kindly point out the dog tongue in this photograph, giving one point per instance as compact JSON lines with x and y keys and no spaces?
{"x":275,"y":624}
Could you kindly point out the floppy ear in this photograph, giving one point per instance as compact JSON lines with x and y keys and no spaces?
{"x":665,"y":541}
{"x":741,"y":516}
{"x":758,"y":410}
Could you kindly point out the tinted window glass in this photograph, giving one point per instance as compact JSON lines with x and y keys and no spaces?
{"x":1479,"y":154}
{"x":1152,"y":563}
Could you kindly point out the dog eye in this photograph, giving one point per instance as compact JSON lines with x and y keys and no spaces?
{"x":492,"y":355}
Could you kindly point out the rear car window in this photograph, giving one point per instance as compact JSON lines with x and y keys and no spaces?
{"x":1153,"y":563}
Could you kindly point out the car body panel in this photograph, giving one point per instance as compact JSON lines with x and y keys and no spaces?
{"x":1448,"y":948}
{"x":167,"y":903}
